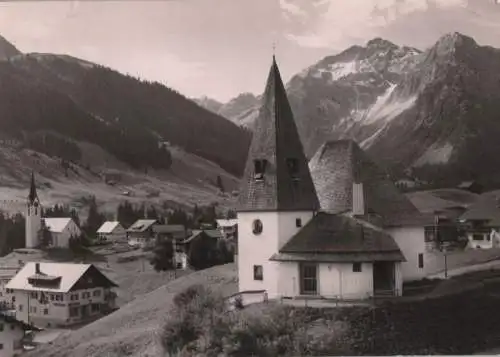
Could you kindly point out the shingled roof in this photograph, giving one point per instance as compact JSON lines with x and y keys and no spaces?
{"x":331,"y":237}
{"x":286,"y":183}
{"x":339,"y":164}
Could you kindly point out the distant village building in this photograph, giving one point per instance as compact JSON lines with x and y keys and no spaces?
{"x":12,"y":334}
{"x":183,"y":248}
{"x":170,"y":231}
{"x":61,"y":229}
{"x":228,"y":227}
{"x":471,"y":186}
{"x":112,"y":231}
{"x":482,"y":222}
{"x":341,"y":230}
{"x":61,"y":294}
{"x":141,"y":233}
{"x":6,"y":274}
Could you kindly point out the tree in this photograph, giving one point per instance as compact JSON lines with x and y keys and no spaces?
{"x":163,"y":255}
{"x":220,"y":184}
{"x":203,"y":252}
{"x":44,"y":235}
{"x":231,"y":214}
{"x":94,"y":219}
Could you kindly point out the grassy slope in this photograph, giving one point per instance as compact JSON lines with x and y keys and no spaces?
{"x":131,"y":331}
{"x":189,"y":181}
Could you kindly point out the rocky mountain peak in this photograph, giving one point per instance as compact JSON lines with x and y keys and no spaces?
{"x":380,"y":43}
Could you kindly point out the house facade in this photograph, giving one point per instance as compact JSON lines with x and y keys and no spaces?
{"x":12,"y":334}
{"x":61,"y":294}
{"x":112,"y":231}
{"x":61,"y":230}
{"x":289,"y":246}
{"x":482,"y":222}
{"x":228,"y":227}
{"x":141,"y":233}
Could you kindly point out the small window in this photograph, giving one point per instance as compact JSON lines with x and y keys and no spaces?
{"x":20,"y":307}
{"x":97,"y":293}
{"x":257,"y":272}
{"x":257,"y":227}
{"x":420,"y":260}
{"x":45,"y":311}
{"x":298,"y":222}
{"x":293,"y":167}
{"x":259,"y":169}
{"x":1,"y":346}
{"x":356,"y":267}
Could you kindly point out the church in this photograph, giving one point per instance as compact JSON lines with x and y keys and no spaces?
{"x":61,"y":228}
{"x":332,"y":228}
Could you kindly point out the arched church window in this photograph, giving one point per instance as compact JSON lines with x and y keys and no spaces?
{"x":257,"y":227}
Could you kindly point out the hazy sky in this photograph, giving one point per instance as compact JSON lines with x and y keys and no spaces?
{"x":221,"y":48}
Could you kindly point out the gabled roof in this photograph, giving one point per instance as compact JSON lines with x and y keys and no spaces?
{"x":337,"y":165}
{"x":340,"y":235}
{"x":108,"y":227}
{"x":57,"y":224}
{"x":486,"y":208}
{"x":169,"y":228}
{"x":276,"y":140}
{"x":141,"y":225}
{"x":227,"y":222}
{"x":68,"y":273}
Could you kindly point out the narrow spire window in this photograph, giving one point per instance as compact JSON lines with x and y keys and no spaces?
{"x":293,"y":168}
{"x":259,"y":169}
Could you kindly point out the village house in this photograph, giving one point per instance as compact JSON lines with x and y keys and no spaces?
{"x":61,"y":229}
{"x":482,"y":222}
{"x":170,"y":231}
{"x":12,"y":334}
{"x":182,"y":248}
{"x":141,"y":233}
{"x":111,"y":231}
{"x":228,"y":227}
{"x":6,"y":274}
{"x":361,"y":238}
{"x":61,"y":294}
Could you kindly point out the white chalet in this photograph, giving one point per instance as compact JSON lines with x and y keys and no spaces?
{"x":61,"y":294}
{"x":340,"y":231}
{"x":112,"y":231}
{"x":62,"y":229}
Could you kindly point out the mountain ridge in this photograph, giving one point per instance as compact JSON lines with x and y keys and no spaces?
{"x":416,"y":111}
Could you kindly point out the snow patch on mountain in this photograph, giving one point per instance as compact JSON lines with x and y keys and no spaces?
{"x":338,"y":70}
{"x":388,"y":106}
{"x":436,"y":154}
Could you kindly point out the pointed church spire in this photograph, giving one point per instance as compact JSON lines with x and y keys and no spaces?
{"x":277,"y":176}
{"x":32,"y":195}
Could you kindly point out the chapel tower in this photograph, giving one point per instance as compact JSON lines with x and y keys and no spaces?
{"x":277,"y":195}
{"x":33,"y":216}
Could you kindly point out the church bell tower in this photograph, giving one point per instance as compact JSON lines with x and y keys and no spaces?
{"x":33,"y":216}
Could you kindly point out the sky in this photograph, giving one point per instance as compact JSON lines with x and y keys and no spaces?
{"x":221,"y":48}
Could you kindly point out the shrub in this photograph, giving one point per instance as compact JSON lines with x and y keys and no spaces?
{"x":199,"y":325}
